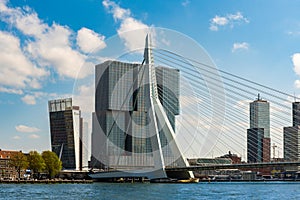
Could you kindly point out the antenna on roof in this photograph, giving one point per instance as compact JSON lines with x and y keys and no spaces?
{"x":258,"y":96}
{"x":294,"y":97}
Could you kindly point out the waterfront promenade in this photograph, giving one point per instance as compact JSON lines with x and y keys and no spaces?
{"x":52,"y":181}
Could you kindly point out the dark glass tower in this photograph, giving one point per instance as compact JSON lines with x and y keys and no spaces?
{"x":296,"y":113}
{"x":65,"y":128}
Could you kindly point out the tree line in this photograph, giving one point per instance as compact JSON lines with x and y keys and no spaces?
{"x":38,"y":163}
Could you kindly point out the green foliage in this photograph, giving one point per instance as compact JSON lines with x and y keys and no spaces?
{"x":36,"y":162}
{"x":52,"y":163}
{"x":19,"y":161}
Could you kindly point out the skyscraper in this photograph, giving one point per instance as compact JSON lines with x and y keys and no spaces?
{"x":296,"y":113}
{"x":291,"y":143}
{"x":258,"y":135}
{"x":132,"y":122}
{"x":66,"y":133}
{"x":121,"y":111}
{"x":291,"y":137}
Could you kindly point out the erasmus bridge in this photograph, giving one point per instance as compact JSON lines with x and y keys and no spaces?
{"x":151,"y":116}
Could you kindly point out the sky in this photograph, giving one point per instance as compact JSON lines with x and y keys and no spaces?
{"x":44,"y":46}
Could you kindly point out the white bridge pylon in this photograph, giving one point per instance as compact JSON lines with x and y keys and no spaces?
{"x":161,"y":122}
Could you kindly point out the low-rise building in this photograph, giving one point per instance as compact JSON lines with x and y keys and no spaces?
{"x":7,"y":172}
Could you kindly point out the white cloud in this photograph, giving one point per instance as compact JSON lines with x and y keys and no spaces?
{"x":185,"y":3}
{"x":240,"y":46}
{"x":297,"y":83}
{"x":29,"y":99}
{"x":10,"y":91}
{"x":16,"y":137}
{"x":34,"y":136}
{"x":133,"y":39}
{"x":53,"y":48}
{"x":229,"y":19}
{"x":32,"y":97}
{"x":296,"y":63}
{"x":26,"y":129}
{"x":16,"y":69}
{"x":118,"y":12}
{"x":88,"y":40}
{"x":50,"y":46}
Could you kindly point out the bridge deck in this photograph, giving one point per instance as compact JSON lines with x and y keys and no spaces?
{"x":234,"y":166}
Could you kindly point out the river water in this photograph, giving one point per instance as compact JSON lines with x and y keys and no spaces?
{"x":144,"y":191}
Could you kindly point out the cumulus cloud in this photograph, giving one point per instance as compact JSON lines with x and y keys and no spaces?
{"x":29,"y":99}
{"x":230,"y":19}
{"x":32,"y":97}
{"x":240,"y":46}
{"x":297,"y":83}
{"x":296,"y":63}
{"x":34,"y":136}
{"x":16,"y":69}
{"x":45,"y":47}
{"x":88,"y":40}
{"x":10,"y":91}
{"x":53,"y":48}
{"x":26,"y":129}
{"x":133,"y":40}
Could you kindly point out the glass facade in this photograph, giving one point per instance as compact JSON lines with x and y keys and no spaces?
{"x":260,"y":116}
{"x":168,"y":91}
{"x":296,"y":113}
{"x":65,"y":123}
{"x":255,"y":144}
{"x":291,"y":141}
{"x":291,"y":136}
{"x":258,"y":136}
{"x":123,"y":107}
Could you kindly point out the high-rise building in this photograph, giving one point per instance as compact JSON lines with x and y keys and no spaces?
{"x":168,"y":81}
{"x":291,"y":143}
{"x":258,"y":135}
{"x":296,"y":113}
{"x":291,"y":137}
{"x":133,"y":118}
{"x":66,"y":127}
{"x":121,"y":111}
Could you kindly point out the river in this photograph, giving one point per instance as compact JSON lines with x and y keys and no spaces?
{"x":145,"y":191}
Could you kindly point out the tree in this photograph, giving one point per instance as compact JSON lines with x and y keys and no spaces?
{"x":36,"y":162}
{"x":52,"y":163}
{"x":19,"y":161}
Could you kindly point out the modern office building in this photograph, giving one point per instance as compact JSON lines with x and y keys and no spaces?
{"x":291,"y":143}
{"x":134,"y":120}
{"x":122,"y":112}
{"x":168,"y":81}
{"x":296,"y":113}
{"x":258,"y":135}
{"x":291,"y":137}
{"x":66,"y":128}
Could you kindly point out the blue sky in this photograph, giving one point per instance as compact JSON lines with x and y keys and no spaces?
{"x":44,"y":43}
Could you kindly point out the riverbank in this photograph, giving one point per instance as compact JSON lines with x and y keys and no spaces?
{"x":54,"y":181}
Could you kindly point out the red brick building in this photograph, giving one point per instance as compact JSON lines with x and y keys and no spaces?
{"x":6,"y":171}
